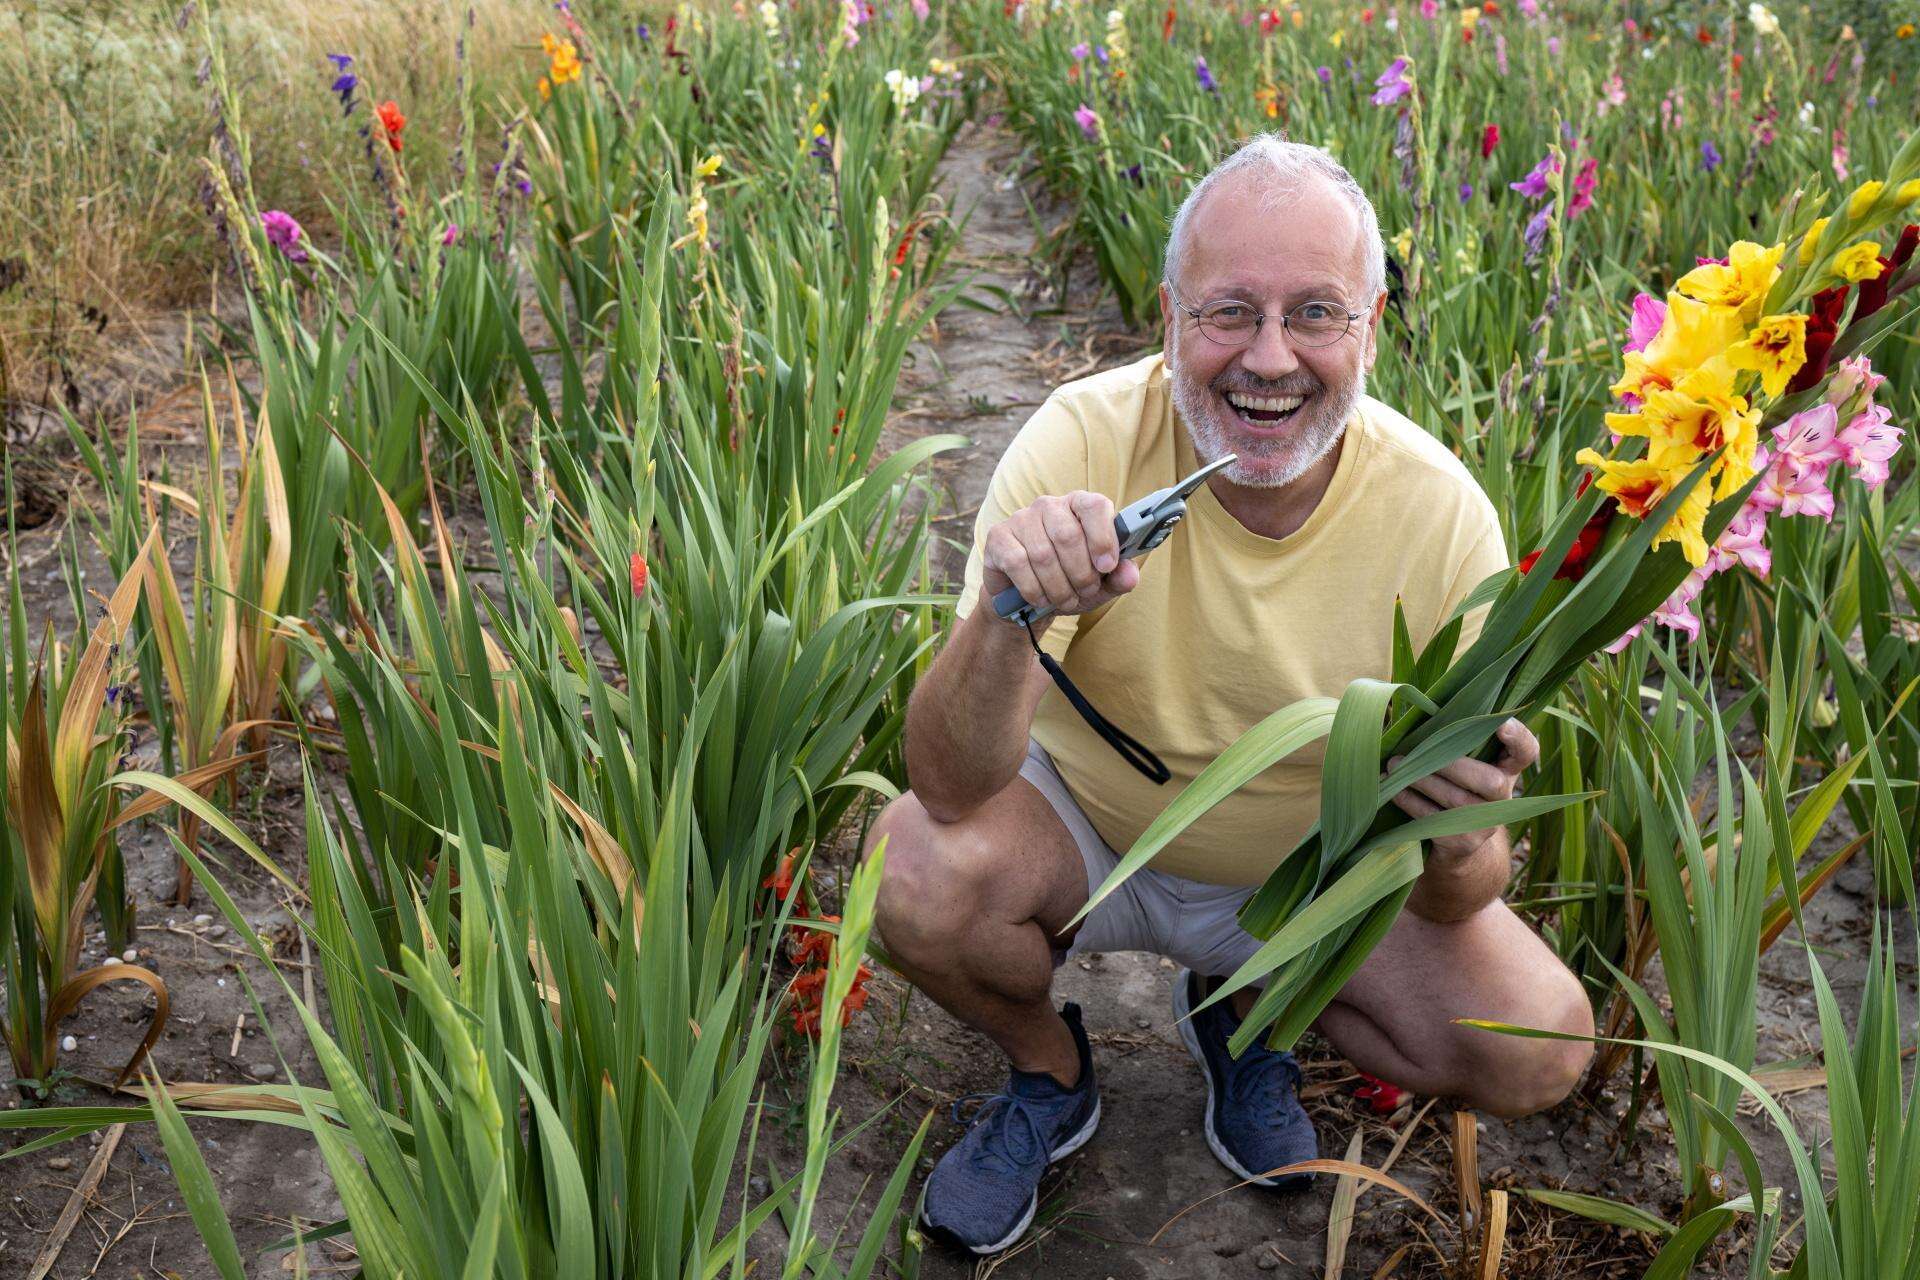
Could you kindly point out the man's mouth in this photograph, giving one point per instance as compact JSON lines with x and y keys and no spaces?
{"x":1265,"y":412}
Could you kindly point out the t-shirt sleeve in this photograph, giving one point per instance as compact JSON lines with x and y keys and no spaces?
{"x":1048,"y":456}
{"x":1486,"y":556}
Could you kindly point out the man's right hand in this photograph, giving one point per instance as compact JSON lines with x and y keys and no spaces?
{"x":1060,"y":551}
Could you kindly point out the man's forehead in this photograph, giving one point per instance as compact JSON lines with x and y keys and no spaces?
{"x":1247,"y":232}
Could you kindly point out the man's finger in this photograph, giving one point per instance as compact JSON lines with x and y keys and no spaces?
{"x":1444,"y":793}
{"x":1069,"y":540}
{"x":1485,"y":781}
{"x":1519,"y":748}
{"x":1095,"y":513}
{"x":1414,"y":805}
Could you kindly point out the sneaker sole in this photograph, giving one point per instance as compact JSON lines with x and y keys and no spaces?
{"x":1065,"y":1149}
{"x":1191,"y":1038}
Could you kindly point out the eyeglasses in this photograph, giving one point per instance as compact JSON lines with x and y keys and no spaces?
{"x":1234,"y":324}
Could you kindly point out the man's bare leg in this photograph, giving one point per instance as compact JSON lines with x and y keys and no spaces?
{"x":970,"y":912}
{"x":1394,"y":1019}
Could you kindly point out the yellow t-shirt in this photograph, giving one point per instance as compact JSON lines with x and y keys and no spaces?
{"x":1227,"y":626}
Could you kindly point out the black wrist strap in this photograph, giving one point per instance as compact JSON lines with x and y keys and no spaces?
{"x":1119,"y":739}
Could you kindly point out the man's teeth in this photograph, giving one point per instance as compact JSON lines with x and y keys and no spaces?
{"x":1265,"y":404}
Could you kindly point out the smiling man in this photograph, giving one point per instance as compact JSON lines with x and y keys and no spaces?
{"x":1279,"y":586}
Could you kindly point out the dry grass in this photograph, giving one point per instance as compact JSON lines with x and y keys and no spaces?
{"x":103,"y":123}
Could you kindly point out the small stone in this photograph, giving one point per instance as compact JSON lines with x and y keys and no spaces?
{"x":202,"y":920}
{"x":69,"y":1044}
{"x":109,"y":962}
{"x":758,"y":1185}
{"x":1142,"y":1023}
{"x":130,"y":955}
{"x":1165,"y":963}
{"x":263,"y":1070}
{"x":218,"y":931}
{"x":60,"y":1164}
{"x":1266,"y":1261}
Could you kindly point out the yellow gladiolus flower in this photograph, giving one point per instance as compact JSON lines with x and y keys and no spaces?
{"x":1857,"y":262}
{"x":1692,"y":420}
{"x":1693,"y":333}
{"x":1903,"y":32}
{"x":1810,"y":243}
{"x":1863,"y":199}
{"x":1741,"y":282}
{"x":546,"y":89}
{"x":1776,"y":349}
{"x":710,"y":166}
{"x":1403,"y":243}
{"x":1908,"y":193}
{"x":1638,"y":487}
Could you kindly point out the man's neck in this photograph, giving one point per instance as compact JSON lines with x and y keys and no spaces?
{"x":1275,"y":513}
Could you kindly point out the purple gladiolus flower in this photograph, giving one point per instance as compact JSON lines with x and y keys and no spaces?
{"x":1466,"y":192}
{"x":451,"y":234}
{"x":1536,"y":233}
{"x":1081,"y":52}
{"x":1135,"y":176}
{"x":1535,"y":184}
{"x":1325,"y":74}
{"x":283,"y":233}
{"x":1709,"y":156}
{"x":1393,"y":84}
{"x":644,"y":34}
{"x":1100,"y":54}
{"x":1204,"y":75}
{"x":1088,"y":119}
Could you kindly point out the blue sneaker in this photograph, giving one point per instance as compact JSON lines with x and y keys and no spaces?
{"x":984,"y":1191}
{"x":1254,"y":1118}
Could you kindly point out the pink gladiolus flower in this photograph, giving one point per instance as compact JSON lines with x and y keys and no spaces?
{"x":1530,"y":7}
{"x":1089,"y":120}
{"x":283,"y":233}
{"x":1806,"y":439}
{"x":1743,"y":543}
{"x":1853,"y":375}
{"x":1500,"y":53}
{"x":1868,"y":443}
{"x":450,"y":235}
{"x":920,"y":9}
{"x":1791,"y":490}
{"x":1583,"y":185}
{"x":1649,"y":313}
{"x":1429,"y":9}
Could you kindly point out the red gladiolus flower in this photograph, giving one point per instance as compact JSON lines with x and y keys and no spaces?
{"x":1489,"y":139}
{"x":781,"y":881}
{"x":391,"y":122}
{"x":1382,"y":1099}
{"x":1580,"y":554}
{"x":1166,"y":25}
{"x":1490,"y":8}
{"x":1703,"y":35}
{"x":1823,"y":326}
{"x":1738,"y":62}
{"x":1873,"y":293}
{"x":637,"y":574}
{"x":1366,"y":16}
{"x":811,"y":945}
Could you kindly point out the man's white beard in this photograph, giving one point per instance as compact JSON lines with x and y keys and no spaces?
{"x":1264,"y":462}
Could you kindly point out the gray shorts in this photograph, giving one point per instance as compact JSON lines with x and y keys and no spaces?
{"x":1191,"y":923}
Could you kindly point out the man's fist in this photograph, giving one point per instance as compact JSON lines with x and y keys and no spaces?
{"x":1060,"y":552}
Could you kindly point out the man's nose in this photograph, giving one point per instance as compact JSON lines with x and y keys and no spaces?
{"x":1270,"y":355}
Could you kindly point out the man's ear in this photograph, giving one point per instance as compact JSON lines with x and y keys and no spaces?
{"x":1166,"y":315}
{"x":1373,"y":329}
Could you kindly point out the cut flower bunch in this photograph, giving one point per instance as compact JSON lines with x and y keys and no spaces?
{"x":1744,"y":395}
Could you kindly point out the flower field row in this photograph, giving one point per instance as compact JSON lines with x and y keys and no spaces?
{"x":545,"y":530}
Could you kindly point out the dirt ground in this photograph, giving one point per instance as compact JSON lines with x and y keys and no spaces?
{"x":1145,"y":1199}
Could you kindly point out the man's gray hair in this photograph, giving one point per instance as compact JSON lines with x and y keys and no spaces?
{"x":1284,"y":165}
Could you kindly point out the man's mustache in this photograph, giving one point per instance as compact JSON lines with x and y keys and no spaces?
{"x":1275,"y":390}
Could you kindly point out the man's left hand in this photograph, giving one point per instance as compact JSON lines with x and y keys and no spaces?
{"x":1468,"y":781}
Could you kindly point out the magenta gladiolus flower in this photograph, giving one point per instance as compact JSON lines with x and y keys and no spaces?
{"x":1393,"y":84}
{"x":1649,"y":313}
{"x":1743,"y":543}
{"x":1583,"y":184}
{"x":1806,"y":439}
{"x":1790,"y":489}
{"x":1536,"y":232}
{"x":1089,"y":120}
{"x":283,"y":233}
{"x":451,"y":234}
{"x":1081,"y":51}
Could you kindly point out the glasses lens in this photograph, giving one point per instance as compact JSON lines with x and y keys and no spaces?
{"x":1317,"y":324}
{"x":1229,"y":323}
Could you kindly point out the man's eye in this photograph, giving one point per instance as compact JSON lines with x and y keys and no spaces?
{"x":1315,"y":312}
{"x":1229,"y":313}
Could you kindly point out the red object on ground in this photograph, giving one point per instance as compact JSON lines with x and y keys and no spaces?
{"x":1382,"y":1099}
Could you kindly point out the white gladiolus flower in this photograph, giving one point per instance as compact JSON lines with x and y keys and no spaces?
{"x":1762,"y":19}
{"x":904,"y":88}
{"x":770,"y":18}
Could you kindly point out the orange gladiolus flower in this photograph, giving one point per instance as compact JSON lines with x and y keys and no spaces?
{"x":637,"y":574}
{"x":391,"y":122}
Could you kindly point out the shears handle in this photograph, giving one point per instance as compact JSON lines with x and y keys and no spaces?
{"x":1011,"y":605}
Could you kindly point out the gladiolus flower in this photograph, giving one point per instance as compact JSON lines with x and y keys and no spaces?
{"x":1081,"y":52}
{"x":1741,"y":282}
{"x":450,"y":235}
{"x":1535,"y":234}
{"x":1466,"y":192}
{"x":1776,"y":348}
{"x":1649,"y":313}
{"x":1806,"y":440}
{"x":1858,"y":261}
{"x":391,"y":122}
{"x":1703,"y":35}
{"x":1709,"y":156}
{"x":563,"y":59}
{"x":1810,"y":243}
{"x":1382,"y":1099}
{"x":1823,"y":325}
{"x":1088,"y":119}
{"x":637,"y":574}
{"x":781,"y":879}
{"x":1393,"y":84}
{"x":1166,"y":24}
{"x":1789,"y":490}
{"x":344,"y":81}
{"x":1580,"y":554}
{"x":1535,"y":184}
{"x":1204,"y":75}
{"x":1638,"y":486}
{"x":1762,"y":19}
{"x":1867,"y":444}
{"x":283,"y":233}
{"x":1744,"y":542}
{"x":1489,"y":139}
{"x":1583,"y":184}
{"x":1863,"y":198}
{"x":1873,"y":293}
{"x":1903,"y":32}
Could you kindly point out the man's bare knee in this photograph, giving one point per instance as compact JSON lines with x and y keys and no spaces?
{"x":1528,"y":1075}
{"x":930,"y":886}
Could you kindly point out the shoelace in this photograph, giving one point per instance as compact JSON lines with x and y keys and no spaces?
{"x":996,"y":1150}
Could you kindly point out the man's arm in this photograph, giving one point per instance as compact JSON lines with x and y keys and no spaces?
{"x":967,"y":721}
